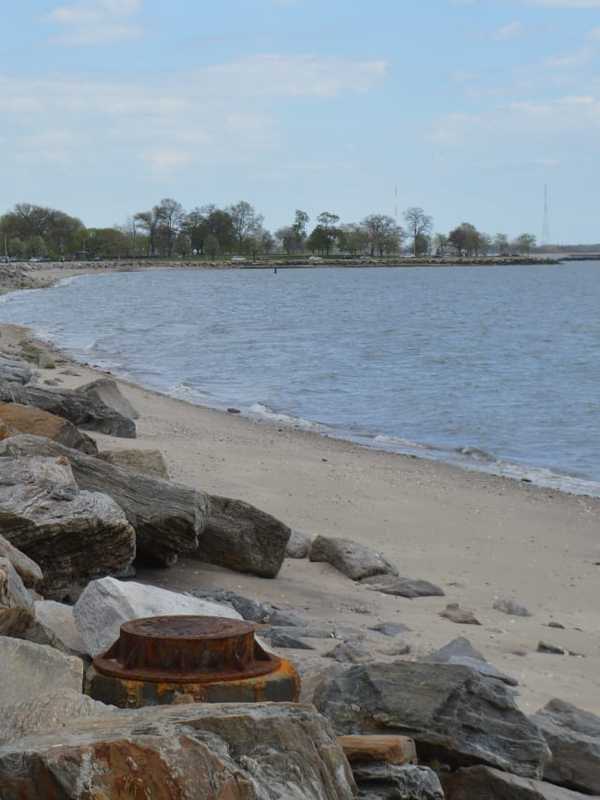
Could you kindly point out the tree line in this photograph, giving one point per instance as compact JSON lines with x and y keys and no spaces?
{"x":167,"y":230}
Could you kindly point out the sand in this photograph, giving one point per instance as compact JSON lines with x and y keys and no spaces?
{"x":475,"y":535}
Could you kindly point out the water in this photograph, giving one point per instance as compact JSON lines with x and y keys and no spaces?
{"x":493,"y":368}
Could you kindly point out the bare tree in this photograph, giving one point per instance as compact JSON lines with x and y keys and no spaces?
{"x":385,"y":236}
{"x":246,"y":222}
{"x":419,"y":225}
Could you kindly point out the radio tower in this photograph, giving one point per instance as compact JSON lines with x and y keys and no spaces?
{"x":546,"y":225}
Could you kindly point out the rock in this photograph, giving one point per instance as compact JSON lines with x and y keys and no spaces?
{"x":491,"y":784}
{"x":73,"y":535}
{"x":390,"y":628}
{"x":392,"y":782}
{"x":460,"y":651}
{"x":403,"y":587}
{"x":278,"y":617}
{"x":248,"y":609}
{"x":298,"y":545}
{"x":551,"y":649}
{"x":454,"y":714}
{"x":13,"y":371}
{"x":149,"y":462}
{"x":573,"y":737}
{"x":243,"y":538}
{"x":556,"y":625}
{"x":355,"y":560}
{"x":107,"y":603}
{"x":29,"y":572}
{"x":461,"y":616}
{"x":23,"y":419}
{"x":508,"y":606}
{"x":284,"y":641}
{"x":271,"y":751}
{"x":81,"y":410}
{"x":16,"y":605}
{"x":350,"y":653}
{"x":54,"y":625}
{"x":315,"y":631}
{"x":106,"y":391}
{"x":400,"y":648}
{"x":397,"y":750}
{"x":29,"y":670}
{"x":167,"y":518}
{"x":49,"y":712}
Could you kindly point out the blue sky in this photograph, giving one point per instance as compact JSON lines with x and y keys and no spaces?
{"x":468,"y":106}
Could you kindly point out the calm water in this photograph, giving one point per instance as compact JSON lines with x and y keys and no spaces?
{"x":497,"y":369}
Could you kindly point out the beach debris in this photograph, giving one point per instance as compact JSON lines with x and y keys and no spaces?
{"x":285,"y":641}
{"x":461,"y":616}
{"x":53,"y":711}
{"x":150,"y":462}
{"x":354,"y":560}
{"x":29,"y":572}
{"x":482,"y":782}
{"x":107,"y":391}
{"x":107,"y":603}
{"x":16,"y":605}
{"x":73,"y":535}
{"x":298,"y":545}
{"x":460,"y":651}
{"x":510,"y":607}
{"x":450,"y":708}
{"x":350,"y":653}
{"x":243,"y":538}
{"x":167,"y":518}
{"x":233,"y":411}
{"x":403,"y":587}
{"x":81,"y":410}
{"x":258,"y":751}
{"x":573,"y":737}
{"x":54,"y":625}
{"x":13,"y":371}
{"x":29,"y":670}
{"x":387,"y":781}
{"x":551,"y":649}
{"x":390,"y":628}
{"x":19,"y":419}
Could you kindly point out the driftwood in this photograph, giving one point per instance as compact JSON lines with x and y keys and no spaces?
{"x":168,"y":518}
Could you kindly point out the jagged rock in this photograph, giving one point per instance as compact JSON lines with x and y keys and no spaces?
{"x":24,"y":419}
{"x":107,"y":603}
{"x":72,"y":535}
{"x":461,"y":616}
{"x":167,"y":517}
{"x":392,"y":782}
{"x":81,"y":410}
{"x":273,"y":751}
{"x":350,"y":653}
{"x":49,"y":712}
{"x":243,"y":538}
{"x":54,"y":625}
{"x":379,"y":749}
{"x":573,"y":737}
{"x":29,"y":572}
{"x":16,"y":605}
{"x":460,"y":651}
{"x":483,"y":783}
{"x":249,"y":609}
{"x":353,"y":559}
{"x":403,"y":587}
{"x":510,"y":607}
{"x":284,"y":641}
{"x":13,"y":371}
{"x":390,"y":628}
{"x":106,"y":391}
{"x":149,"y":462}
{"x":298,"y":545}
{"x":452,"y":713}
{"x":29,"y":670}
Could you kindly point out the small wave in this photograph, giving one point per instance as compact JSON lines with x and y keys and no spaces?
{"x":476,"y":453}
{"x":398,"y":441}
{"x":264,"y":412}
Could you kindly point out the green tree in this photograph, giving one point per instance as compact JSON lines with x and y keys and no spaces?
{"x":419,"y":224}
{"x":525,"y":243}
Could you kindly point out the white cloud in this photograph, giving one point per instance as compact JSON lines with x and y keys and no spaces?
{"x":96,"y":22}
{"x":510,"y":31}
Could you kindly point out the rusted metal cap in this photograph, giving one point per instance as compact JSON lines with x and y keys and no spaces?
{"x":186,"y":649}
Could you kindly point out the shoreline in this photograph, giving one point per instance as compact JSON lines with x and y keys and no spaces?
{"x":478,"y":536}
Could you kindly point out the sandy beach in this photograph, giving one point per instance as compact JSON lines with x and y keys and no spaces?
{"x":477,"y":536}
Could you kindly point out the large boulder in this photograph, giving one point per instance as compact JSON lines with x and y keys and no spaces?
{"x":54,"y":624}
{"x":84,"y":411}
{"x":16,"y":605}
{"x":461,"y":651}
{"x":355,"y":560}
{"x":392,"y":782}
{"x":243,"y":538}
{"x":483,"y":783}
{"x":573,"y":737}
{"x":150,"y":462}
{"x":167,"y":517}
{"x":106,"y":391}
{"x":13,"y":371}
{"x":452,"y":713}
{"x":29,"y":572}
{"x":24,"y":419}
{"x":274,"y":751}
{"x":106,"y":604}
{"x":29,"y":670}
{"x":49,"y":712}
{"x":73,"y":535}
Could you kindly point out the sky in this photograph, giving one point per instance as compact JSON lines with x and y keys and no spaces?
{"x":468,"y":107}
